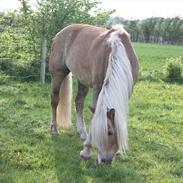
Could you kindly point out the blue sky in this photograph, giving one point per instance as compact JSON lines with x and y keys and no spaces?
{"x":131,"y":9}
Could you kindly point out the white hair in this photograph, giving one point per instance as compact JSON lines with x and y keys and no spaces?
{"x":115,"y":93}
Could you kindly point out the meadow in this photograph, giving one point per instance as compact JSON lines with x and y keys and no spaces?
{"x":30,"y":154}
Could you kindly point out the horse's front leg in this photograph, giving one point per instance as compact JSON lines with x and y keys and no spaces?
{"x":86,"y":152}
{"x":82,"y":92}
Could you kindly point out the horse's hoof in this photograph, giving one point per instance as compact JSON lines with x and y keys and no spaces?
{"x":54,"y":130}
{"x":118,"y":154}
{"x":84,"y":155}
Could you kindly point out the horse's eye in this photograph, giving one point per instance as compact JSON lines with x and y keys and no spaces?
{"x":109,"y":133}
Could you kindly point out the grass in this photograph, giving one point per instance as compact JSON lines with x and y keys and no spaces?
{"x":153,"y":56}
{"x":29,"y":154}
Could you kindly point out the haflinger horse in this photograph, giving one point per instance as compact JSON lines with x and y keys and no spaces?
{"x":105,"y":61}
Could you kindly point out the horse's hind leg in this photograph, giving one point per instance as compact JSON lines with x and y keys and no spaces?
{"x":56,"y":82}
{"x":79,"y":101}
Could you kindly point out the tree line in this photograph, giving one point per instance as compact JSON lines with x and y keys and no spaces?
{"x":153,"y":30}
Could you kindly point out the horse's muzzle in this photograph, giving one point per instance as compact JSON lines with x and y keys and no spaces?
{"x":104,"y":161}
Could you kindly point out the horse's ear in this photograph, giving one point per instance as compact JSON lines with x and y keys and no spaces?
{"x":92,"y":109}
{"x":110,"y":114}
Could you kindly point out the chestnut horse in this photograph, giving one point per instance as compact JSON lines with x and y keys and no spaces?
{"x":105,"y":61}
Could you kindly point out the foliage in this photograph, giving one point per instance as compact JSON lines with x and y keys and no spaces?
{"x":53,"y":15}
{"x":19,"y":70}
{"x":154,"y":29}
{"x":4,"y":79}
{"x":154,"y":75}
{"x":13,"y":42}
{"x":173,"y":69}
{"x":16,"y":57}
{"x":23,"y":31}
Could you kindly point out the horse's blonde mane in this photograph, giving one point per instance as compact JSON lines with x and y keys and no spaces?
{"x":115,"y":93}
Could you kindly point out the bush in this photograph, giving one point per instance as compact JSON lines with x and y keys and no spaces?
{"x":173,"y":69}
{"x":6,"y":65}
{"x":20,"y":69}
{"x":27,"y":71}
{"x":4,"y":79}
{"x":153,"y":75}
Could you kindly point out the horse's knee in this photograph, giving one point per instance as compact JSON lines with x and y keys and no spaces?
{"x":54,"y":97}
{"x":79,"y":100}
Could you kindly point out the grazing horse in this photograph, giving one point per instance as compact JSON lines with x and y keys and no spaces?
{"x":105,"y":61}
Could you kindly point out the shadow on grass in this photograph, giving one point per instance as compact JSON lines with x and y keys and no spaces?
{"x":71,"y":169}
{"x":6,"y":174}
{"x":178,"y":81}
{"x":67,"y":161}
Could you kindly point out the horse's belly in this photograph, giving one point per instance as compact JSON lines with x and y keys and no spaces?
{"x":81,"y":73}
{"x":84,"y":79}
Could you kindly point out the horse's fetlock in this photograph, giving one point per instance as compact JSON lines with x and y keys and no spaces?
{"x":85,"y":154}
{"x":54,"y":130}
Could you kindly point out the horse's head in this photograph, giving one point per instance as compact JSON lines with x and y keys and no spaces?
{"x":109,"y":143}
{"x":110,"y":148}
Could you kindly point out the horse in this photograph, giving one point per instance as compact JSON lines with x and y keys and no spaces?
{"x":101,"y":59}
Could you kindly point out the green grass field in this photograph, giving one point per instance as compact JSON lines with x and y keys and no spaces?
{"x":29,"y":154}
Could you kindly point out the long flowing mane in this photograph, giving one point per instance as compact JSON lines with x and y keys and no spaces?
{"x":115,"y":93}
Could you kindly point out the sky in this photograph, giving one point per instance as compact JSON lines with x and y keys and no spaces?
{"x":129,"y":9}
{"x":139,"y":9}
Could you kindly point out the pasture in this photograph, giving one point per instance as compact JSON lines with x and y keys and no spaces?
{"x":28,"y":152}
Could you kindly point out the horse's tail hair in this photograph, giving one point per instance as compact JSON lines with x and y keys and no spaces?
{"x":64,"y":106}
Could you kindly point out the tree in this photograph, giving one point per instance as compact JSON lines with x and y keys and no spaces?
{"x":147,"y":28}
{"x":52,"y":15}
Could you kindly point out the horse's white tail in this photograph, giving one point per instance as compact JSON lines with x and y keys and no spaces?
{"x":64,"y":106}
